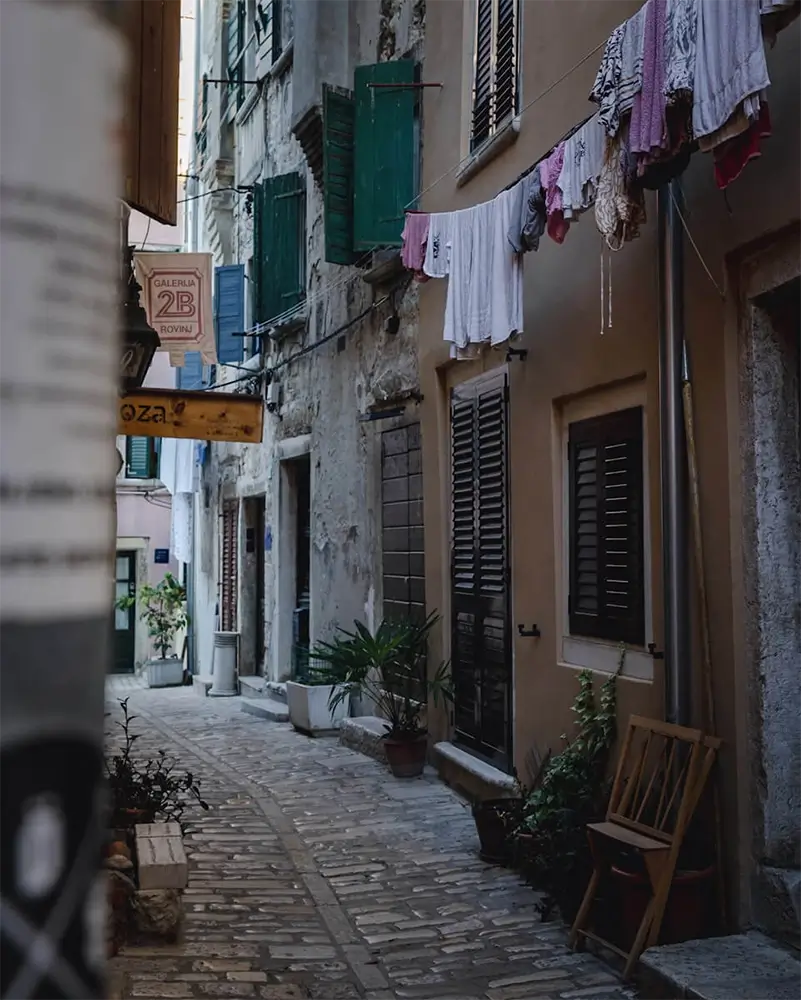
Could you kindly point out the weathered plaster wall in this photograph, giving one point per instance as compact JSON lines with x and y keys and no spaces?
{"x":325,"y":393}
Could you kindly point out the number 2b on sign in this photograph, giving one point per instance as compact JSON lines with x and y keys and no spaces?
{"x":175,"y":305}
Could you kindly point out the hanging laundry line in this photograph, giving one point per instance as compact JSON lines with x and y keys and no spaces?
{"x":664,"y":90}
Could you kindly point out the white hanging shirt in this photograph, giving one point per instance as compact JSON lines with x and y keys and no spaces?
{"x":581,"y":167}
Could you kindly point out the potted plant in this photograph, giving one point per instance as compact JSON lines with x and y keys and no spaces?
{"x":140,"y":790}
{"x":391,"y":668}
{"x":312,"y":706}
{"x":570,"y":791}
{"x":163,"y":607}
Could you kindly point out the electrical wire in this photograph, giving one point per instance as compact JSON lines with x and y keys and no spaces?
{"x":521,"y":112}
{"x":694,"y":245}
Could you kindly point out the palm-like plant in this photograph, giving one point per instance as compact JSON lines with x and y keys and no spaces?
{"x":391,"y":667}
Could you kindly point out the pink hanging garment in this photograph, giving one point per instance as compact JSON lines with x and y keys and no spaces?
{"x":550,"y":169}
{"x":415,"y":238}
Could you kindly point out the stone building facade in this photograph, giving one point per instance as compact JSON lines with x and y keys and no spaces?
{"x":288,"y":534}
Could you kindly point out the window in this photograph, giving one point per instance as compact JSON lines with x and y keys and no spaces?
{"x":273,"y":24}
{"x":236,"y":44}
{"x":370,"y":152}
{"x":605,"y":527}
{"x":141,"y":458}
{"x":495,"y":81}
{"x":279,"y":230}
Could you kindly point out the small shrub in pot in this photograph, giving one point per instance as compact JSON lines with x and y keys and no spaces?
{"x":390,"y":666}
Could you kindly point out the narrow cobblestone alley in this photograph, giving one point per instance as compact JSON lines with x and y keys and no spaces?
{"x":317,"y":874}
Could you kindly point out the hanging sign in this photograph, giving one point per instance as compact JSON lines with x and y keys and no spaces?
{"x":176,"y":296}
{"x":182,"y":413}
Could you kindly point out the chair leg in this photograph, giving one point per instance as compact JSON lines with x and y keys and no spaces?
{"x":661,"y":881}
{"x":639,"y":940}
{"x":580,"y":922}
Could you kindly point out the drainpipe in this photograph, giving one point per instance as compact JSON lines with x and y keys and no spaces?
{"x":675,"y":571}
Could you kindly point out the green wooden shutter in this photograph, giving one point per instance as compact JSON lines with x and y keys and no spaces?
{"x":282,"y":245}
{"x":384,"y":152}
{"x":139,"y":458}
{"x":255,"y":270}
{"x":339,"y":111}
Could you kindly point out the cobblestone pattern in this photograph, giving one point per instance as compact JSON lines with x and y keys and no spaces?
{"x":316,"y":874}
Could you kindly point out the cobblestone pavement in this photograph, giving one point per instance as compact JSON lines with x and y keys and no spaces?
{"x":316,"y":874}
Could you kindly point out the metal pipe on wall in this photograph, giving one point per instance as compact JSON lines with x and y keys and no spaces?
{"x":674,"y":501}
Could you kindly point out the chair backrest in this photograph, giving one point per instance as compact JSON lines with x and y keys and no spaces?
{"x":660,"y":776}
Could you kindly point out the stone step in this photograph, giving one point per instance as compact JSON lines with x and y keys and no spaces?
{"x":202,"y":685}
{"x":253,"y":687}
{"x":266,"y":708}
{"x":276,"y":691}
{"x":747,"y":966}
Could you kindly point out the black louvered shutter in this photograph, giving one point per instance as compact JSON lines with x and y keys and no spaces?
{"x":482,"y":88}
{"x":505,"y":97}
{"x":481,"y":646}
{"x":606,"y":527}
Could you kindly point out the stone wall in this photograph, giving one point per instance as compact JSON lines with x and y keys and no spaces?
{"x":323,"y":394}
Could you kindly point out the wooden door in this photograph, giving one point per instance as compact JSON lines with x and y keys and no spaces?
{"x":124,"y":620}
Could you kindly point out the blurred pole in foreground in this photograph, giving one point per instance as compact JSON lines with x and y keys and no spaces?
{"x":61,"y":78}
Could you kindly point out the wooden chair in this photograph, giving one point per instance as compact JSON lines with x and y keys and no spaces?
{"x":660,"y":777}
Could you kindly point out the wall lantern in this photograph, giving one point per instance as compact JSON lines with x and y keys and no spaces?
{"x":139,"y":340}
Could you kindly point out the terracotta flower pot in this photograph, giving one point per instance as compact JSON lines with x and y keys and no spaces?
{"x":406,"y":758}
{"x":492,"y":826}
{"x":688,"y":914}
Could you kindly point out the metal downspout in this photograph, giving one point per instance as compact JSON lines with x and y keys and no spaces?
{"x":674,"y":500}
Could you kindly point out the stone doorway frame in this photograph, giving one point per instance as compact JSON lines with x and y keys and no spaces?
{"x":766,"y":555}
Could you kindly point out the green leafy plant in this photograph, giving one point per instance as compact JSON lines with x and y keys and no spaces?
{"x":143,"y":789}
{"x":163,"y":607}
{"x":391,"y":667}
{"x":570,"y":791}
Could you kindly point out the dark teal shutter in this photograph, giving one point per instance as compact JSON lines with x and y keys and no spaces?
{"x":277,"y":41}
{"x":255,"y":270}
{"x":191,"y":375}
{"x":384,"y":152}
{"x":282,"y":277}
{"x":339,"y":111}
{"x":139,"y":458}
{"x":229,"y":312}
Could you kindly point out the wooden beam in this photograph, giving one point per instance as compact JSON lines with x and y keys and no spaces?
{"x":203,"y":416}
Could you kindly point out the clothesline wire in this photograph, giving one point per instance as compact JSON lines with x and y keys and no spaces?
{"x":694,"y":245}
{"x":545,"y":155}
{"x":520,"y":114}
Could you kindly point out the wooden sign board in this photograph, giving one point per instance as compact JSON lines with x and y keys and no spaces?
{"x":202,"y":416}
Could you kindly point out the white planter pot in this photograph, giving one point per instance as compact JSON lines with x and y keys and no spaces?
{"x":308,"y":707}
{"x":165,"y":673}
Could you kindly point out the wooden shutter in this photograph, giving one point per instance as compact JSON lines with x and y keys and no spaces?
{"x":153,"y":33}
{"x":339,"y":111}
{"x":606,"y":527}
{"x":229,"y":312}
{"x":481,"y":646}
{"x":277,"y":41}
{"x":141,"y":458}
{"x":228,"y":567}
{"x":402,"y":523}
{"x":282,"y":245}
{"x":505,"y":97}
{"x":234,"y":93}
{"x":191,"y":375}
{"x":495,"y":91}
{"x":482,"y":87}
{"x":385,"y":148}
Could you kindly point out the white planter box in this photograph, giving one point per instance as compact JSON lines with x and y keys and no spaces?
{"x":165,"y":673}
{"x":308,"y":707}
